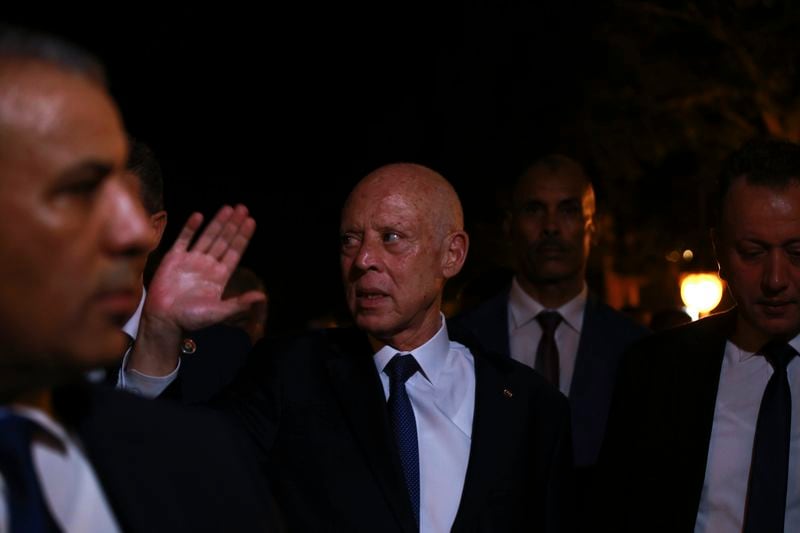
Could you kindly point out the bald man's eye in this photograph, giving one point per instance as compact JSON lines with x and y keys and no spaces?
{"x":348,"y":240}
{"x":391,"y":237}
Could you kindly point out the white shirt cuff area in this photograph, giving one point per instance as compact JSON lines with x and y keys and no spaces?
{"x":142,"y":384}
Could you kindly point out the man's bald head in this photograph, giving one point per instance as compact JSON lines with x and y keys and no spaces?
{"x":422,"y":186}
{"x":402,"y":239}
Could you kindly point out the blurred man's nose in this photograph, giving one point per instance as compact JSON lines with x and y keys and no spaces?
{"x":127,"y":229}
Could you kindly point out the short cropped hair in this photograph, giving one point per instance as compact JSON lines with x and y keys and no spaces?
{"x":20,"y":44}
{"x":143,"y":164}
{"x":767,"y":162}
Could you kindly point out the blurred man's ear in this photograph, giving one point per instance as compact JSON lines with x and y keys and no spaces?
{"x":158,"y":222}
{"x":508,"y":217}
{"x":716,"y":245}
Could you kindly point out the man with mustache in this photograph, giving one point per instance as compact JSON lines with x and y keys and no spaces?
{"x":73,"y":456}
{"x":704,"y":429}
{"x":391,"y":426}
{"x":551,"y":225}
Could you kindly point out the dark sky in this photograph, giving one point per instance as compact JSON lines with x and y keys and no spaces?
{"x":285,"y":110}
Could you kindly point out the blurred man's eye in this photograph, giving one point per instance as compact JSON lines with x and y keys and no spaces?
{"x":531,"y":209}
{"x":391,"y":237}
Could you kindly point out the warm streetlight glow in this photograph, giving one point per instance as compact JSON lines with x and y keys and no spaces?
{"x":688,"y":255}
{"x":701,"y":293}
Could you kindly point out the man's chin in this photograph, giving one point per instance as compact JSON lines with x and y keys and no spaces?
{"x":783,"y":327}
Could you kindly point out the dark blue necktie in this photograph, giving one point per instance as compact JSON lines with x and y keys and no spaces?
{"x":404,"y":425}
{"x":769,"y":469}
{"x":28,"y":510}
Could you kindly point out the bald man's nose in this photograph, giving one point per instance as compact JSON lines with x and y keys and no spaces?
{"x":127,"y":228}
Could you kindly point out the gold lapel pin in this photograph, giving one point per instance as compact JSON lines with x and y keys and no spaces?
{"x":188,"y":346}
{"x":507,"y":393}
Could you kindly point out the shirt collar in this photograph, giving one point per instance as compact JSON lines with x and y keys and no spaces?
{"x":740,"y":355}
{"x":524,"y":308}
{"x":131,"y":327}
{"x":431,"y":356}
{"x":43,"y":422}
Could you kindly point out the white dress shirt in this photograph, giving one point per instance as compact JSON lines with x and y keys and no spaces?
{"x":68,"y":481}
{"x":133,"y":380}
{"x":443,"y":398}
{"x":524,"y":331}
{"x":742,"y":381}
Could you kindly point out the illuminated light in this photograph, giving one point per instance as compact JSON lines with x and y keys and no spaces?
{"x":673,"y":256}
{"x":688,"y":255}
{"x":701,"y":293}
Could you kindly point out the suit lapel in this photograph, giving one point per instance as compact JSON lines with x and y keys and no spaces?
{"x":491,"y":412}
{"x":94,"y":416}
{"x":491,"y":325}
{"x":592,"y":383}
{"x":359,"y":390}
{"x":696,"y":398}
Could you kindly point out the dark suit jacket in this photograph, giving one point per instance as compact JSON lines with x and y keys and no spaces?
{"x":653,"y":462}
{"x":317,"y":411}
{"x":605,"y":335}
{"x":219,"y":353}
{"x":165,"y":468}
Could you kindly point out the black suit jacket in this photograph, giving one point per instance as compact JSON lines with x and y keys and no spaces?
{"x":218,"y":353}
{"x":605,"y":335}
{"x":165,"y":468}
{"x":653,"y":462}
{"x":317,"y":412}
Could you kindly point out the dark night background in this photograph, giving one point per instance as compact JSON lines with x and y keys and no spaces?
{"x":284,"y":109}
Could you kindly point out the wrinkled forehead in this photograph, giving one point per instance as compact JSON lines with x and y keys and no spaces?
{"x":386,"y":204}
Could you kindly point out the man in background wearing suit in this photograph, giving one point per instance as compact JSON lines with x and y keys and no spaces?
{"x":211,"y":356}
{"x":391,"y":426}
{"x":77,"y":457}
{"x":704,"y":430}
{"x":547,"y":319}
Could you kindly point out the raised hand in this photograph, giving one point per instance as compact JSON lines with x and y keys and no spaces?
{"x":185,"y":293}
{"x":187,"y":288}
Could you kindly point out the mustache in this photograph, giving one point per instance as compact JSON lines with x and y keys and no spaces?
{"x":549,"y":244}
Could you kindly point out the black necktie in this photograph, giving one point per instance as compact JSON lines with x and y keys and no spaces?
{"x":769,"y":469}
{"x":404,"y":425}
{"x":28,"y":510}
{"x":547,"y":353}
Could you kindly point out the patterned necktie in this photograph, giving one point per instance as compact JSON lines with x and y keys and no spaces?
{"x":28,"y":510}
{"x":769,"y":470}
{"x":404,"y":425}
{"x":547,"y":352}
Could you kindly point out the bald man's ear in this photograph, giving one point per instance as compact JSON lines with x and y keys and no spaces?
{"x":158,"y":222}
{"x":456,"y":245}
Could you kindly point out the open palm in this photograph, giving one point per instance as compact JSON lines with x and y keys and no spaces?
{"x":186,"y":290}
